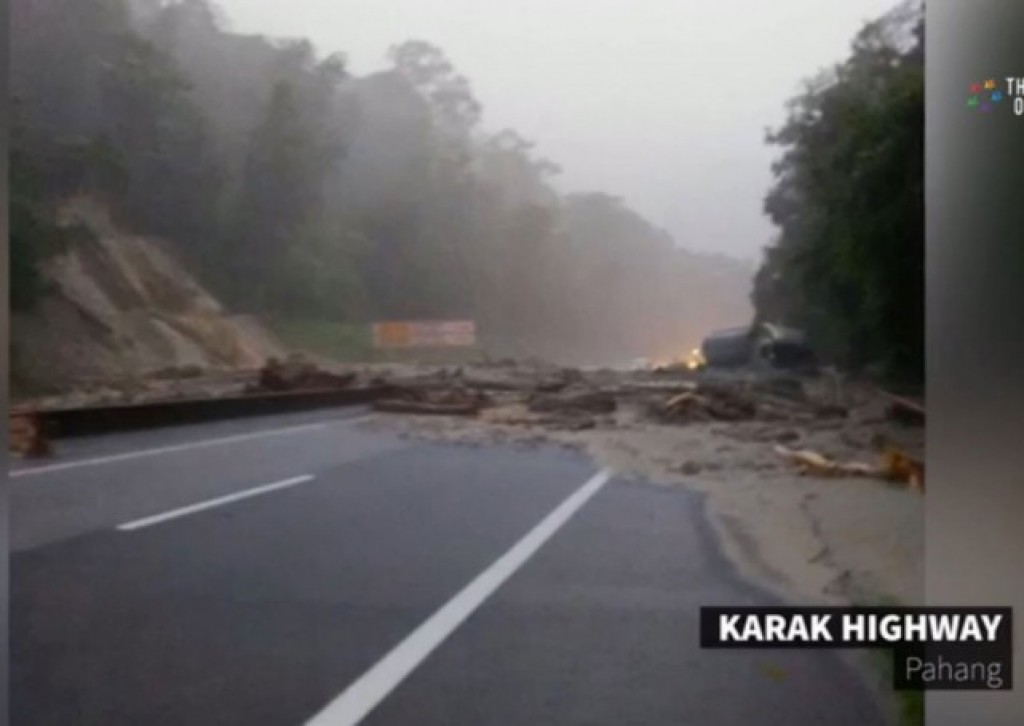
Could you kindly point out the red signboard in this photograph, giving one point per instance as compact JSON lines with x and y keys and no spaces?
{"x":424,"y":334}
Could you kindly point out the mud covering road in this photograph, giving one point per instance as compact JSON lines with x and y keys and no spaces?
{"x":836,"y":539}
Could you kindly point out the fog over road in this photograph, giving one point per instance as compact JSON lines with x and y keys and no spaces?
{"x":299,"y":569}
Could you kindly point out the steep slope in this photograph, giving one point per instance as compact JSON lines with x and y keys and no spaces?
{"x":121,"y":306}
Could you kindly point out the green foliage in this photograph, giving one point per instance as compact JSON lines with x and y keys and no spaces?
{"x":298,"y":192}
{"x":326,"y":337}
{"x":321,"y":275}
{"x":34,"y":234}
{"x":170,"y":175}
{"x":849,"y":261}
{"x":29,"y":236}
{"x":280,"y":248}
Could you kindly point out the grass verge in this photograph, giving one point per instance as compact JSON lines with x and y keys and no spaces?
{"x":344,"y":342}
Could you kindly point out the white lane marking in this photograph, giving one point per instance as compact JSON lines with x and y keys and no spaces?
{"x":211,"y":503}
{"x":363,"y":695}
{"x":178,"y":447}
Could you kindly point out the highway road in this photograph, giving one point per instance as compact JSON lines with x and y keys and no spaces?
{"x":302,"y":570}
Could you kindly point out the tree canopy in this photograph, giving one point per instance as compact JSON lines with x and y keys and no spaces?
{"x":293,"y":188}
{"x":848,"y":199}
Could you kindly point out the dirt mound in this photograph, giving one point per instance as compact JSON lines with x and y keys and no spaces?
{"x":121,"y":306}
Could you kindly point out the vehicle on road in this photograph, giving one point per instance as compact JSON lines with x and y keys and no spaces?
{"x":761,"y":345}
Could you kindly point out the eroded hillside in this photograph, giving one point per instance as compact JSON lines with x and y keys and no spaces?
{"x":120,"y":306}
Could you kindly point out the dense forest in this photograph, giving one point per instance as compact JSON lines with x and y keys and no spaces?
{"x":292,"y":188}
{"x":848,"y":264}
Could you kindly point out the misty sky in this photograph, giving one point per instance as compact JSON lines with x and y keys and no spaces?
{"x":662,"y":102}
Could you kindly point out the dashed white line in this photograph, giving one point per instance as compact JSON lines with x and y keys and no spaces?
{"x":128,"y":455}
{"x":211,"y":503}
{"x":365,"y":694}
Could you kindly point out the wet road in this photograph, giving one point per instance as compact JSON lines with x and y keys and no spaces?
{"x":300,"y":569}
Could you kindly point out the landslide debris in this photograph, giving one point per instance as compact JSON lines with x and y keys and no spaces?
{"x":296,"y":373}
{"x":778,"y":412}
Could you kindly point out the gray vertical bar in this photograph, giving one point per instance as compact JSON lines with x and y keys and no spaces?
{"x":4,"y":367}
{"x":975,"y":329}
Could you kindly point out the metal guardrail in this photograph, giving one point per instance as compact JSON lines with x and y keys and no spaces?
{"x":89,"y":420}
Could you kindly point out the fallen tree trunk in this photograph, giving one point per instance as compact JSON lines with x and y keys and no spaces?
{"x":895,"y":466}
{"x":297,"y":374}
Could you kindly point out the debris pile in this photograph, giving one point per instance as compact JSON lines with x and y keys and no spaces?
{"x":456,"y":401}
{"x":577,"y":409}
{"x":569,"y":393}
{"x":769,"y":411}
{"x":296,"y":373}
{"x":707,"y":404}
{"x":735,"y":402}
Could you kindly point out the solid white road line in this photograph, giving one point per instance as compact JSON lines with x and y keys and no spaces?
{"x":128,"y":455}
{"x":373,"y":686}
{"x":211,"y":503}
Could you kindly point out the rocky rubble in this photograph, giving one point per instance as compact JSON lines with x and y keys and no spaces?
{"x":806,"y":481}
{"x":782,"y":411}
{"x":296,"y":373}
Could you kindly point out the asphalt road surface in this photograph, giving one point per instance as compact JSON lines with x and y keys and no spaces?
{"x":300,"y":570}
